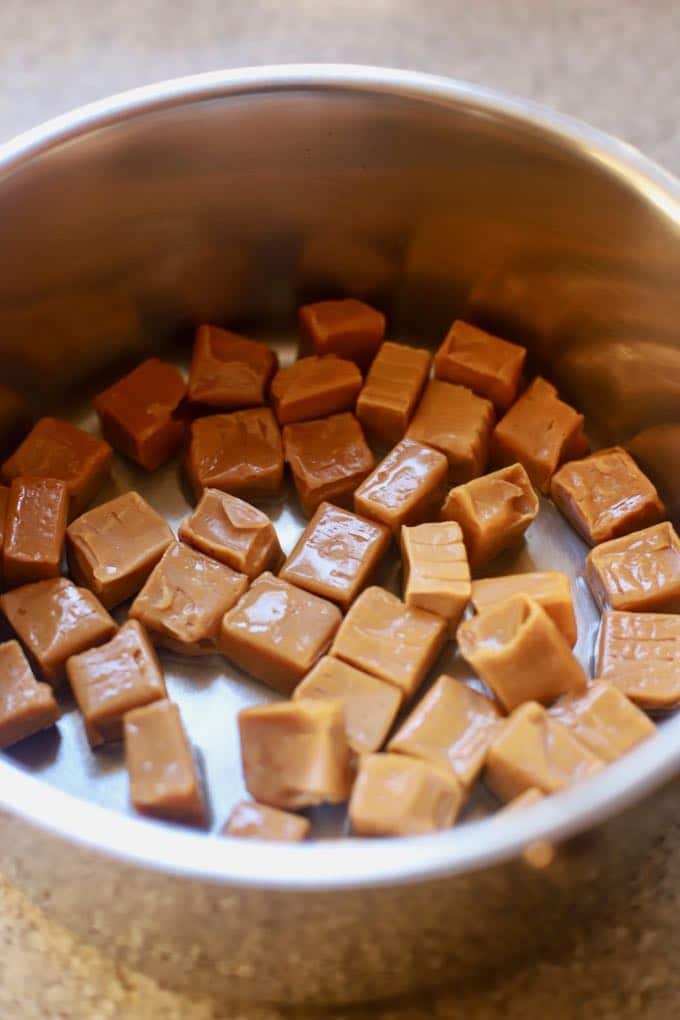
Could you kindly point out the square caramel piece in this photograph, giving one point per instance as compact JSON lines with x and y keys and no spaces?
{"x":517,"y":650}
{"x":26,"y":706}
{"x":139,"y":413}
{"x":640,"y":654}
{"x":541,"y":432}
{"x":295,"y":753}
{"x":533,"y":750}
{"x":114,"y":678}
{"x":606,"y":495}
{"x":4,"y":497}
{"x":328,"y":459}
{"x":452,"y":726}
{"x":550,"y":588}
{"x":35,"y":528}
{"x":390,"y":640}
{"x":407,"y":486}
{"x":240,"y":453}
{"x":392,"y":389}
{"x":435,"y":569}
{"x":603,"y":719}
{"x":349,"y":328}
{"x":457,"y":422}
{"x":398,"y":796}
{"x":370,"y":704}
{"x":493,"y":511}
{"x":640,"y":571}
{"x":336,"y":554}
{"x":233,"y":532}
{"x":228,"y":370}
{"x":53,"y":620}
{"x":185,"y":598}
{"x":113,"y":548}
{"x":250,"y":820}
{"x":55,"y":449}
{"x":164,"y":780}
{"x":277,"y":631}
{"x":315,"y":387}
{"x":490,"y":366}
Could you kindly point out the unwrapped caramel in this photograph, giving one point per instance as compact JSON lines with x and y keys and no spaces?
{"x":349,"y":328}
{"x":26,"y":706}
{"x":392,"y":389}
{"x":35,"y":528}
{"x":640,"y":571}
{"x":603,"y":719}
{"x":314,"y":387}
{"x":228,"y":370}
{"x":239,"y":453}
{"x":640,"y":654}
{"x":249,"y":820}
{"x":436,"y":573}
{"x":398,"y":796}
{"x":488,"y":365}
{"x":233,"y":532}
{"x":550,"y":588}
{"x":407,"y":487}
{"x":455,"y":421}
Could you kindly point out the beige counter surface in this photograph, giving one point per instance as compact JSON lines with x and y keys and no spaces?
{"x":614,"y":63}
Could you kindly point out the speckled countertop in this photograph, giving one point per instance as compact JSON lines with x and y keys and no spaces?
{"x":613,"y":63}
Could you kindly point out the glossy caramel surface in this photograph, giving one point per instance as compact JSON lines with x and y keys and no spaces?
{"x":35,"y":529}
{"x":26,"y":706}
{"x":239,"y":453}
{"x":348,"y":328}
{"x":603,"y":719}
{"x":314,"y":387}
{"x":406,"y":487}
{"x":392,"y":389}
{"x":233,"y":532}
{"x":249,"y":820}
{"x":640,"y":571}
{"x":229,"y":370}
{"x":491,"y":367}
{"x":640,"y":654}
{"x":455,"y":421}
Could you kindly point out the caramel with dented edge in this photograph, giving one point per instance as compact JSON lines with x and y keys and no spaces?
{"x":392,"y":389}
{"x":640,"y":654}
{"x":490,"y":366}
{"x":26,"y":705}
{"x":398,"y":796}
{"x":518,"y":651}
{"x":240,"y":453}
{"x":232,"y":531}
{"x":349,"y":328}
{"x":550,"y":588}
{"x":407,"y":486}
{"x":228,"y":370}
{"x":640,"y":571}
{"x":315,"y":387}
{"x":603,"y":719}
{"x":250,"y":820}
{"x":453,"y":420}
{"x":436,"y":573}
{"x":35,"y":529}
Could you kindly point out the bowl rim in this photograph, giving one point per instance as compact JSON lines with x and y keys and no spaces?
{"x":347,"y":863}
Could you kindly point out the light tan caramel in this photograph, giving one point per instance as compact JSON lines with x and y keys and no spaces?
{"x":455,"y":421}
{"x":249,"y":820}
{"x":295,"y":753}
{"x":523,"y":800}
{"x":398,"y":796}
{"x":452,"y":726}
{"x":164,"y":780}
{"x":407,"y":487}
{"x":228,"y":370}
{"x":518,"y":651}
{"x":603,"y":719}
{"x":349,"y":328}
{"x":114,"y":678}
{"x":336,"y":554}
{"x":534,"y":750}
{"x":315,"y":387}
{"x":436,"y":573}
{"x":35,"y":528}
{"x":383,"y":636}
{"x":370,"y":704}
{"x":392,"y":389}
{"x":488,"y":365}
{"x":232,"y":531}
{"x":550,"y":588}
{"x":113,"y":548}
{"x":640,"y":571}
{"x":240,"y":453}
{"x":26,"y":706}
{"x":640,"y":654}
{"x":606,"y":495}
{"x":276,"y":632}
{"x":185,"y":598}
{"x":493,"y":512}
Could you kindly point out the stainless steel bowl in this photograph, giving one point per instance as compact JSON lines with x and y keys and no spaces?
{"x":232,"y":197}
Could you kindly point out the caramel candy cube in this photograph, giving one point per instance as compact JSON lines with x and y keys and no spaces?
{"x":453,"y":727}
{"x":164,"y":780}
{"x":519,"y":652}
{"x":407,"y":487}
{"x":4,"y":497}
{"x":436,"y":570}
{"x":315,"y":387}
{"x":114,"y":678}
{"x":276,"y":632}
{"x":603,"y":719}
{"x":336,"y":554}
{"x":233,"y":532}
{"x":533,"y":750}
{"x":35,"y":526}
{"x":457,"y":422}
{"x":26,"y":706}
{"x":390,"y":640}
{"x":370,"y":705}
{"x":493,"y":511}
{"x":392,"y":389}
{"x":249,"y":820}
{"x":185,"y":598}
{"x":328,"y":459}
{"x":640,"y":571}
{"x":228,"y":370}
{"x":113,"y":548}
{"x":488,"y":365}
{"x":523,"y":800}
{"x":54,"y":620}
{"x":540,"y":431}
{"x":295,"y":753}
{"x":606,"y":495}
{"x":239,"y":453}
{"x":350,"y":329}
{"x":398,"y":796}
{"x":138,"y":414}
{"x":550,"y":588}
{"x":55,"y":449}
{"x":640,"y":654}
